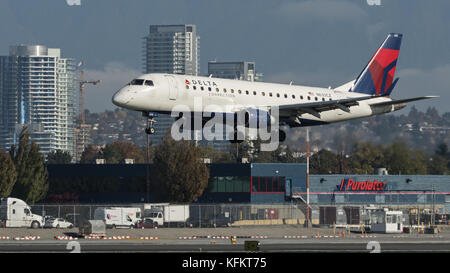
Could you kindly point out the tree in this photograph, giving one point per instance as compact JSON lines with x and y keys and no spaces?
{"x":59,"y":157}
{"x":90,"y":154}
{"x":178,"y":173}
{"x":399,"y":159}
{"x":324,"y":162}
{"x":32,"y":184}
{"x":8,"y":174}
{"x":115,"y":152}
{"x":366,"y":157}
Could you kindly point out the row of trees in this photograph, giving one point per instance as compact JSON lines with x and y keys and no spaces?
{"x":178,"y":173}
{"x":397,"y":158}
{"x":22,"y":171}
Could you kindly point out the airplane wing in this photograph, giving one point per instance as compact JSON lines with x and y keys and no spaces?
{"x":314,"y":108}
{"x":403,"y":101}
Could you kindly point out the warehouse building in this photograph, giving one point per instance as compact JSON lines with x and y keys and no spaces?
{"x":266,"y":183}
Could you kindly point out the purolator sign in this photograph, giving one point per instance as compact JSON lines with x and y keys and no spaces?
{"x":349,"y":184}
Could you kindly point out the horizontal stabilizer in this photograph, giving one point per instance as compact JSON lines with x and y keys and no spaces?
{"x":404,"y":100}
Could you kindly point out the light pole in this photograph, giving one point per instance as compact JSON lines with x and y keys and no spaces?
{"x":307,"y":178}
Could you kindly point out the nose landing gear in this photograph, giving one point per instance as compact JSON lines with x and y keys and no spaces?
{"x":150,"y":130}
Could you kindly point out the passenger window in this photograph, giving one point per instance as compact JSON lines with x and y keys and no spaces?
{"x":254,"y":93}
{"x":224,"y":90}
{"x":270,"y":94}
{"x":209,"y":88}
{"x":285,"y":96}
{"x":217,"y":89}
{"x":323,"y":99}
{"x":149,"y":83}
{"x":239,"y":91}
{"x":309,"y":98}
{"x":232,"y":90}
{"x":278,"y":95}
{"x":246,"y":92}
{"x":195,"y":87}
{"x":187,"y":86}
{"x":293,"y":96}
{"x":201,"y":88}
{"x":301,"y":97}
{"x":264,"y":94}
{"x":316,"y":98}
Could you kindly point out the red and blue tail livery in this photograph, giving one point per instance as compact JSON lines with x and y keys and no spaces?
{"x":377,"y":78}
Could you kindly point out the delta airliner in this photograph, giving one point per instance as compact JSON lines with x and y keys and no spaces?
{"x":298,"y":106}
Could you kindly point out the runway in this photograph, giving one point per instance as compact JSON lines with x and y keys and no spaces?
{"x":202,"y":246}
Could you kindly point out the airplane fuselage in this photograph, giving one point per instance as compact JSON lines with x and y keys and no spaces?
{"x":206,"y":94}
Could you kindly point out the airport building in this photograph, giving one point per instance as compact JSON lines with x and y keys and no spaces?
{"x":172,"y":49}
{"x":271,"y":183}
{"x":37,"y":90}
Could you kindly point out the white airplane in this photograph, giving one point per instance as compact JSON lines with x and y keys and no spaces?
{"x":298,"y":106}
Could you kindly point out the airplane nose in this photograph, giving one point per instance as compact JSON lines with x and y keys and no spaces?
{"x":121,"y":98}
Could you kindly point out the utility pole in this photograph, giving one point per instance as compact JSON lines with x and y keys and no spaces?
{"x":308,"y":218}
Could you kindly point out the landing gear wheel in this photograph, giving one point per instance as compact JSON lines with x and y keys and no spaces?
{"x":150,"y":130}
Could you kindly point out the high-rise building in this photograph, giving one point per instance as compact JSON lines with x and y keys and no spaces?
{"x":231,"y":70}
{"x":37,"y":90}
{"x":172,"y":49}
{"x":234,"y":70}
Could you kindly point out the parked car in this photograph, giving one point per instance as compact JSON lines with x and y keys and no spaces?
{"x":57,"y":223}
{"x":147,"y":223}
{"x":221,"y":221}
{"x":216,"y":221}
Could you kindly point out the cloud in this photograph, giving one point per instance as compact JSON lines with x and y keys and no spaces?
{"x":322,"y":10}
{"x":112,"y":77}
{"x":416,"y":82}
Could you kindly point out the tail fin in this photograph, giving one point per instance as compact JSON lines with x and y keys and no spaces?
{"x":377,"y":78}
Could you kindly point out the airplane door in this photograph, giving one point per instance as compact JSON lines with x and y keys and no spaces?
{"x":173,"y":87}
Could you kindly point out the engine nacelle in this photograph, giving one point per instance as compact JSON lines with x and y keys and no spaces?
{"x":254,"y":118}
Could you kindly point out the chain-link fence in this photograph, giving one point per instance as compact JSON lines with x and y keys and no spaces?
{"x":210,"y":215}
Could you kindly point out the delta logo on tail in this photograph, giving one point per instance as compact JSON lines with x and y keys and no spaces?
{"x":377,"y":78}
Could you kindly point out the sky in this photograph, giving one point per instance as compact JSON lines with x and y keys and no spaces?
{"x":311,"y":42}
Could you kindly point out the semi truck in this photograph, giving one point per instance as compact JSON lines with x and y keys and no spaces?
{"x":118,"y":217}
{"x":16,"y":213}
{"x":169,"y":215}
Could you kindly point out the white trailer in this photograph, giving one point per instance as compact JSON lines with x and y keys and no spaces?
{"x":386,"y":221}
{"x":16,"y":213}
{"x":118,"y":217}
{"x":167,"y":215}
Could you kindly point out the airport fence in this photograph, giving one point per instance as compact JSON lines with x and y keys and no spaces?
{"x":223,"y":215}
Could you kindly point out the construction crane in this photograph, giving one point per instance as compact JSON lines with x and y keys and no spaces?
{"x":82,"y":84}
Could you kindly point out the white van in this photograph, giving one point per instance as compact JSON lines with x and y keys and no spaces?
{"x":118,"y":217}
{"x":16,"y":213}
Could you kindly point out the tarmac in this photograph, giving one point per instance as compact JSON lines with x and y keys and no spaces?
{"x":247,"y":232}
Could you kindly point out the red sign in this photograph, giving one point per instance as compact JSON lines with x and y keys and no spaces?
{"x":349,"y":184}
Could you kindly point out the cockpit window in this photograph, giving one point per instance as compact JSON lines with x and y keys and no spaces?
{"x":137,"y":82}
{"x":149,"y":83}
